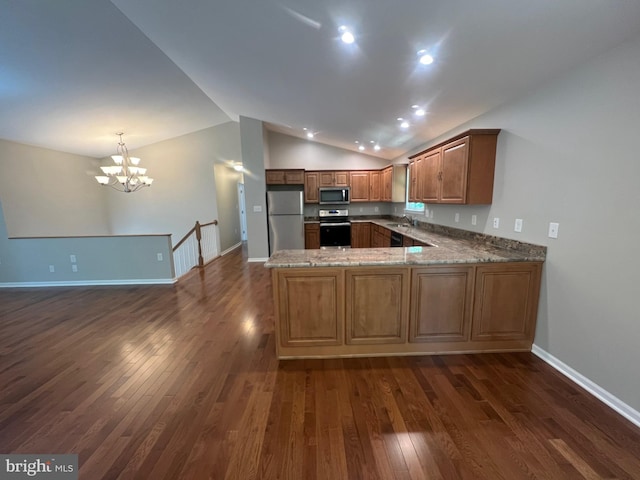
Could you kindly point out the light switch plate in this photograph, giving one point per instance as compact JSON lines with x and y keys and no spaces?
{"x":518,"y":226}
{"x":474,"y":219}
{"x":159,"y":256}
{"x":52,"y":269}
{"x":257,"y":208}
{"x":456,"y":218}
{"x":553,"y":230}
{"x":74,"y":268}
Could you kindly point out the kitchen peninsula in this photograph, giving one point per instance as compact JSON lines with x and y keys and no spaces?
{"x":466,"y":292}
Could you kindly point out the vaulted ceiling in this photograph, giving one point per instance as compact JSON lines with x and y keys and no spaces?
{"x":74,"y":72}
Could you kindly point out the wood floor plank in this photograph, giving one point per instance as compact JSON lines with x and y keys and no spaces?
{"x":182,"y":382}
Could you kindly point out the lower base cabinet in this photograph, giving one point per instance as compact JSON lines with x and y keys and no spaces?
{"x":441,"y":302}
{"x":506,"y":302}
{"x":405,"y":310}
{"x":377,"y":305}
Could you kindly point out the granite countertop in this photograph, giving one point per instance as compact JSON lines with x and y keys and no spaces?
{"x":450,"y":246}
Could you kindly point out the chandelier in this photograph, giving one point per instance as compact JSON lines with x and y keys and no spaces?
{"x":125,"y":176}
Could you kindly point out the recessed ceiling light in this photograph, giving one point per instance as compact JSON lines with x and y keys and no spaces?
{"x":346,"y":35}
{"x":404,"y":124}
{"x":372,"y":141}
{"x":361,"y":148}
{"x":420,"y":112}
{"x":424,"y":58}
{"x":310,"y":134}
{"x":238,"y":168}
{"x":376,"y":147}
{"x":400,"y":119}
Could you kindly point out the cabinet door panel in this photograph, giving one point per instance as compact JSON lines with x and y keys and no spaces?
{"x":274,"y":177}
{"x":455,"y":157}
{"x":374,"y":193}
{"x":341,"y":179}
{"x":326,"y":179}
{"x":311,"y":187}
{"x":311,"y":306}
{"x":429,"y":171}
{"x":441,"y":304}
{"x":359,"y":186}
{"x":506,"y":302}
{"x":376,"y":305}
{"x":312,"y":236}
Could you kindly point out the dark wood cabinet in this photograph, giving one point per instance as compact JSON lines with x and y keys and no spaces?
{"x":387,"y":184}
{"x":377,"y":301}
{"x":359,"y":182}
{"x":284,"y":177}
{"x":311,"y":183}
{"x":330,"y":178}
{"x":360,"y":235}
{"x":311,"y":235}
{"x":441,"y":302}
{"x":380,"y":236}
{"x":310,"y":306}
{"x":375,"y":194}
{"x":458,"y":171}
{"x":506,"y":301}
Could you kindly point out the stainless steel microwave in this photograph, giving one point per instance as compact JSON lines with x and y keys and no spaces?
{"x":334,"y":195}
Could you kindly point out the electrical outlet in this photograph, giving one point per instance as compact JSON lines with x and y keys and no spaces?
{"x":496,"y":222}
{"x":52,"y":268}
{"x":518,"y":225}
{"x":456,"y":218}
{"x":430,"y":213}
{"x":74,"y":268}
{"x":257,"y":208}
{"x":553,"y":230}
{"x":376,"y":209}
{"x":72,"y":258}
{"x":474,"y":219}
{"x":159,"y":256}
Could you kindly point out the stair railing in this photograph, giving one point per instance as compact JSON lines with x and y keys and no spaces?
{"x":197,"y":248}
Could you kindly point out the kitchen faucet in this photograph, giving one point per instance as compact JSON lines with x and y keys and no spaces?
{"x":408,"y":218}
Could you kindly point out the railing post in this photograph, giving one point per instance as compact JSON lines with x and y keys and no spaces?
{"x":199,"y":239}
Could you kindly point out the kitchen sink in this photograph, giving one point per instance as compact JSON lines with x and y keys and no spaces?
{"x":398,"y":225}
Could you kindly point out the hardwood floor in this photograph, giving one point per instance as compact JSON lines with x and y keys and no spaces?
{"x":181,"y":382}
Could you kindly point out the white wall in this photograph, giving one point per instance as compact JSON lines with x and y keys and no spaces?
{"x":184,"y":188}
{"x":566,"y":154}
{"x":50,"y":193}
{"x":254,"y":155}
{"x":286,"y":151}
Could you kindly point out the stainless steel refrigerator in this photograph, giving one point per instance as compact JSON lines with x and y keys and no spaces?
{"x":286,"y":220}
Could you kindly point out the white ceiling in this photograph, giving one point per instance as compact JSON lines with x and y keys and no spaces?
{"x":73,"y":72}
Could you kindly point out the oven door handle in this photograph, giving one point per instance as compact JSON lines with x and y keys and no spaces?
{"x":334,"y":224}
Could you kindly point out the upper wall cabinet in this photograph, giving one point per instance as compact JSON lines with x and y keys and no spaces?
{"x":394,"y":183}
{"x":311,"y":183}
{"x":330,"y":178}
{"x":458,"y":171}
{"x":284,"y":177}
{"x":360,"y":185}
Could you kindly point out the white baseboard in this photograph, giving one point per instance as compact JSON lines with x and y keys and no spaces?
{"x":258,"y":259}
{"x":230,"y":249}
{"x":596,"y":390}
{"x":90,"y":283}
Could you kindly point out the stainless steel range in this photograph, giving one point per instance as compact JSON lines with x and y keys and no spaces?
{"x":335,"y":229}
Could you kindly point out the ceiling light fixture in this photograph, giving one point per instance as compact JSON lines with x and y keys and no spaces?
{"x":361,"y":148}
{"x":346,"y":35}
{"x":125,"y":176}
{"x":310,"y":134}
{"x":238,"y":167}
{"x":403,"y":123}
{"x":418,"y":111}
{"x":424,"y":58}
{"x":376,"y":147}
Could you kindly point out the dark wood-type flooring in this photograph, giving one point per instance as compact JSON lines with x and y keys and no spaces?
{"x":182,"y":382}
